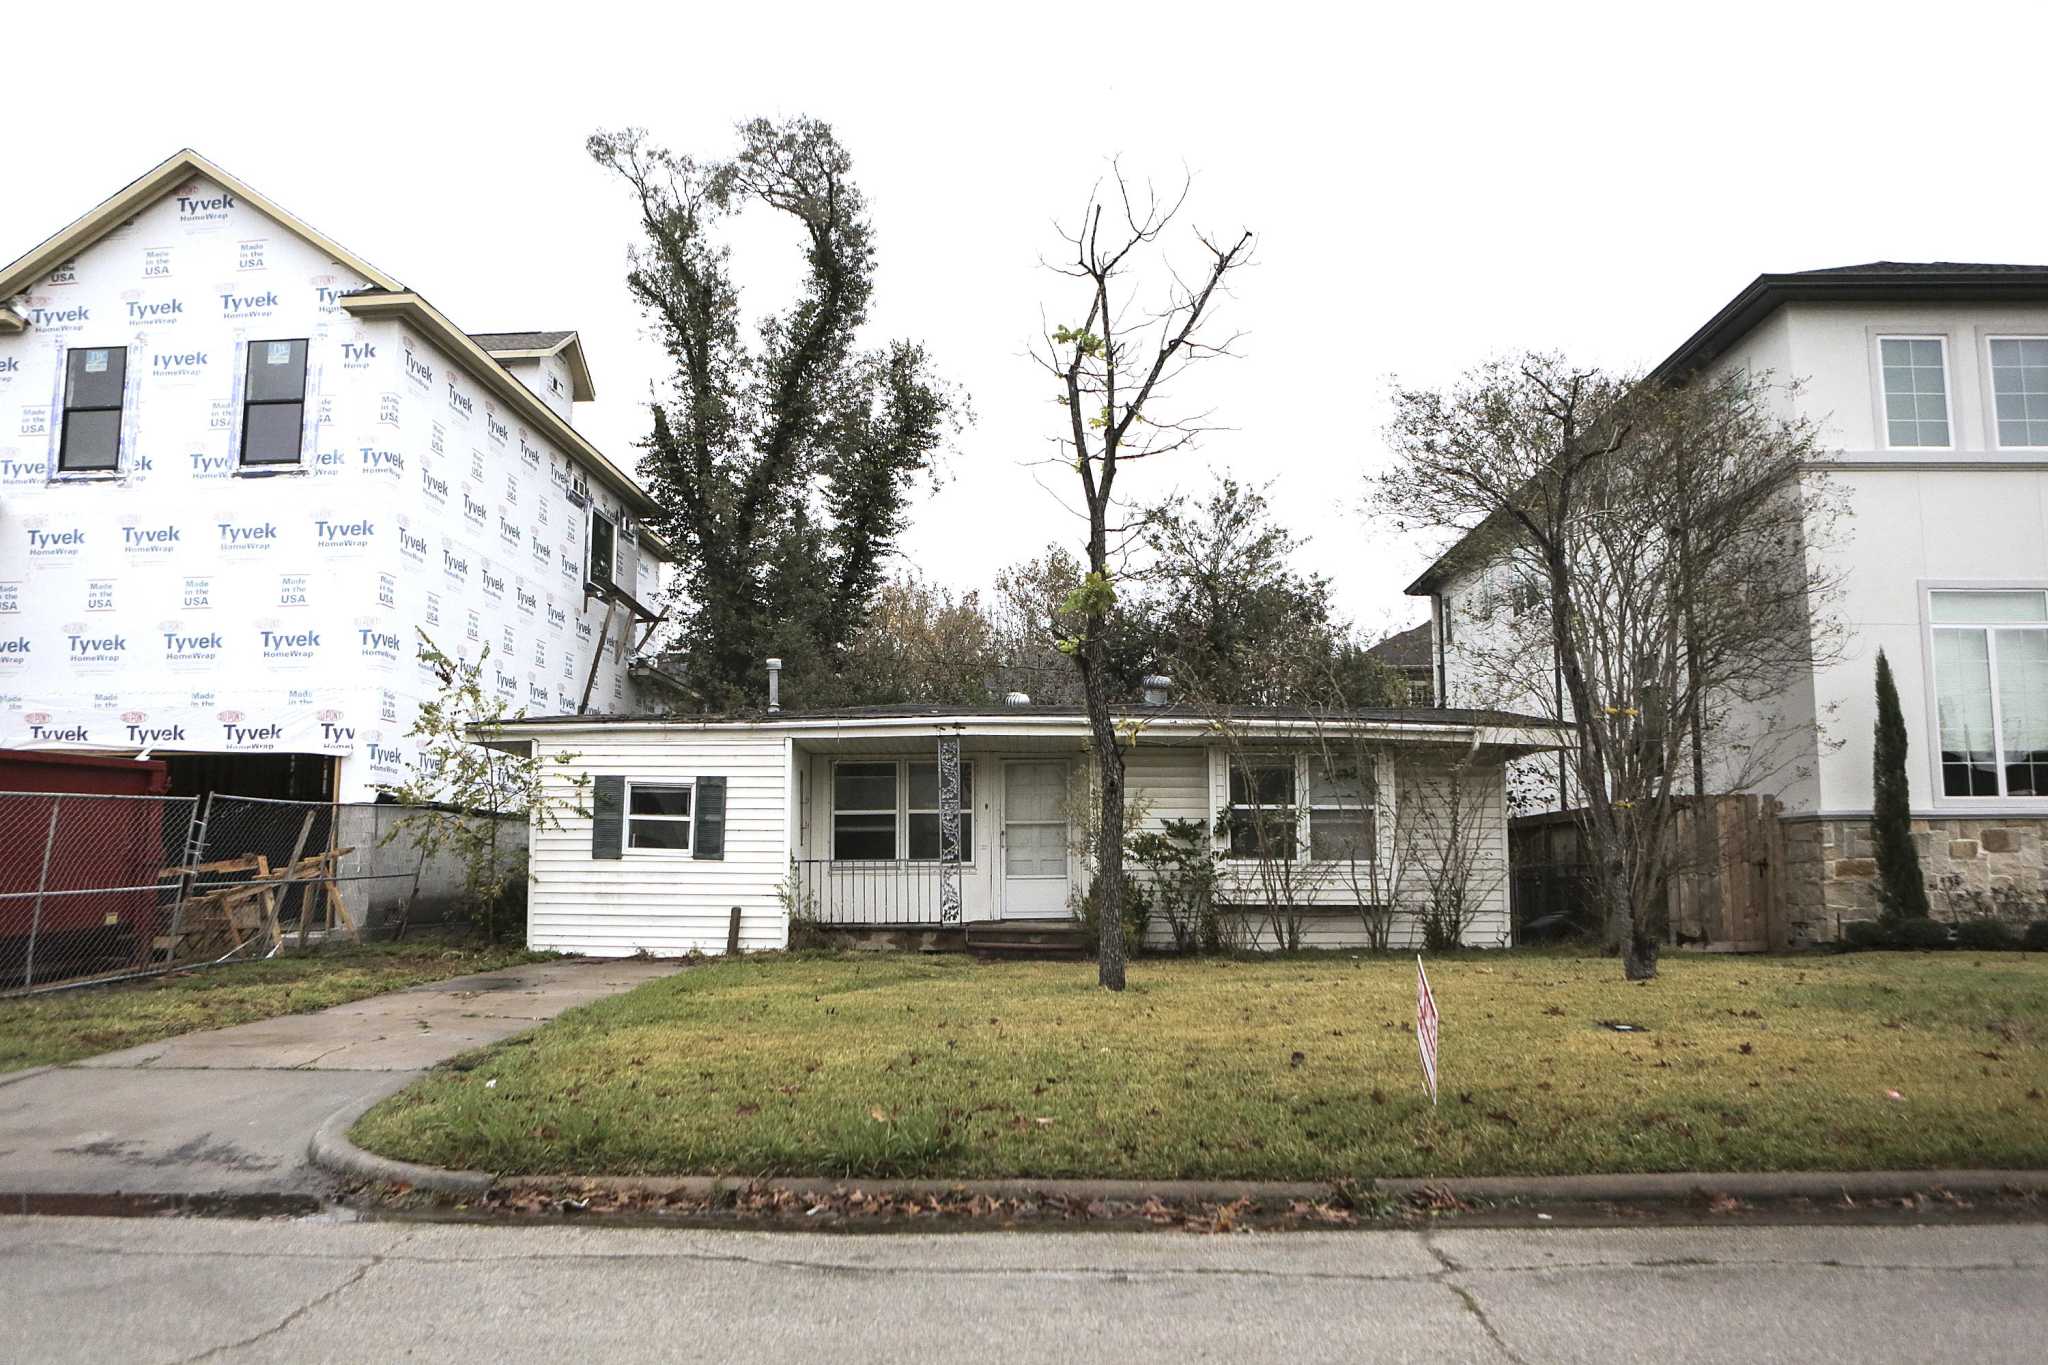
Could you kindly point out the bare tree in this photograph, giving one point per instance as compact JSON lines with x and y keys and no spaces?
{"x":1115,"y":366}
{"x":1648,"y":576}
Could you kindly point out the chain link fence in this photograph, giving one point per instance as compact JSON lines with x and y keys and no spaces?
{"x":96,"y":887}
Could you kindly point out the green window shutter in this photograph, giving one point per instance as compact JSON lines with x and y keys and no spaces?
{"x":708,"y":839}
{"x":607,"y":816}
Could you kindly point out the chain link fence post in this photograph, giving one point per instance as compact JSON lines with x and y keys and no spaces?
{"x":35,"y":923}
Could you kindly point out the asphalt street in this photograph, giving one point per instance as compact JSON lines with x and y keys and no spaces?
{"x":165,"y":1290}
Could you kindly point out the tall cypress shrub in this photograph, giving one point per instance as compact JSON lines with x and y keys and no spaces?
{"x":1901,"y":892}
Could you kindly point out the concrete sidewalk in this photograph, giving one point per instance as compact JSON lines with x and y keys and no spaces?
{"x":231,"y":1111}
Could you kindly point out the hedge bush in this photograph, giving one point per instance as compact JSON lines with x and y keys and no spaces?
{"x":1986,"y":935}
{"x":1923,"y":933}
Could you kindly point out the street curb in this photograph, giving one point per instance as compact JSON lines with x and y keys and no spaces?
{"x":330,"y":1150}
{"x":1574,"y":1189}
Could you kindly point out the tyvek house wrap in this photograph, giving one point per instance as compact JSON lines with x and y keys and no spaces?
{"x":187,"y":604}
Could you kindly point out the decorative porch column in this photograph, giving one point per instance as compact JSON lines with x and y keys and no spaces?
{"x":949,"y":829}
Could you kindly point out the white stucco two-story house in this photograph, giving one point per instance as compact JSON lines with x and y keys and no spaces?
{"x":242,"y":470}
{"x":1929,"y":386}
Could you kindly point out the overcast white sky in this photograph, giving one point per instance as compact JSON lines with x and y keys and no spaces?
{"x":1429,"y":183}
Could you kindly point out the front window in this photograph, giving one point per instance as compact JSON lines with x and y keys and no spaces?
{"x":1263,"y":816}
{"x":884,"y":811}
{"x":274,"y":403}
{"x":658,"y":817}
{"x":1340,"y":817}
{"x":1991,"y":691}
{"x":1915,"y":391}
{"x":2019,"y":390}
{"x":864,"y":812}
{"x":95,"y":377}
{"x":925,"y":839}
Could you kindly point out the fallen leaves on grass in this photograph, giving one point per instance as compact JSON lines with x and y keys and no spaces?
{"x":1351,"y":1204}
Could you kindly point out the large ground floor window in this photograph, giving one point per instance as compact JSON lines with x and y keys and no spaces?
{"x":887,"y":809}
{"x":1991,"y":691}
{"x":1268,"y":819}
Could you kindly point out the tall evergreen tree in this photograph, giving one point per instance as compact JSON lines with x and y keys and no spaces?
{"x":1901,"y":892}
{"x":784,"y":466}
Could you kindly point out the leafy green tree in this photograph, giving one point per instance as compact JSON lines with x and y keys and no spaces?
{"x":921,"y":642}
{"x":1901,"y":891}
{"x":784,"y":465}
{"x":1229,"y":616}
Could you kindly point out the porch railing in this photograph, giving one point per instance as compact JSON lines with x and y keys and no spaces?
{"x":882,"y":892}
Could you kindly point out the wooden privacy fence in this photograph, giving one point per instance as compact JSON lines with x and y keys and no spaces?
{"x":1728,"y":892}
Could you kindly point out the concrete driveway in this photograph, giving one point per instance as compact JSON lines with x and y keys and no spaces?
{"x":230,"y":1111}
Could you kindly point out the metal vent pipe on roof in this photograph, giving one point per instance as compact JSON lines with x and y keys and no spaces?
{"x":774,"y":686}
{"x":1158,"y":689}
{"x":1016,"y":699}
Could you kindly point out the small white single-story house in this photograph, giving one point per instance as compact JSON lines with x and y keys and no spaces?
{"x":662,"y":825}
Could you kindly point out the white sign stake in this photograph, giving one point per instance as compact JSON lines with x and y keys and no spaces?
{"x":1425,"y":1026}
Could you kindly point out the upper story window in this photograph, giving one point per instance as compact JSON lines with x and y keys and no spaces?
{"x":1991,"y":691}
{"x":2019,"y":390}
{"x":603,"y":547}
{"x":1915,"y":391}
{"x":274,"y":403}
{"x":95,"y":377}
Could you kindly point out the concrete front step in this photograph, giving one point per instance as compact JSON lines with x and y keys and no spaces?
{"x":1018,"y":938}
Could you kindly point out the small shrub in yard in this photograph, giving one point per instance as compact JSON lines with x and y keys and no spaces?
{"x":1923,"y":933}
{"x":1986,"y":935}
{"x":1868,"y":933}
{"x":1137,"y":917}
{"x":2036,"y":937}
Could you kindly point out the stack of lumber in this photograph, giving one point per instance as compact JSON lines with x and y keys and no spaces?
{"x":212,"y":918}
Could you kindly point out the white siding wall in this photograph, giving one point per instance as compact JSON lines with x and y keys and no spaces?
{"x":1168,"y":784}
{"x":666,"y":904}
{"x":657,"y":902}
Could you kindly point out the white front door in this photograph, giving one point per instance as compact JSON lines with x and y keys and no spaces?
{"x":1034,"y":840}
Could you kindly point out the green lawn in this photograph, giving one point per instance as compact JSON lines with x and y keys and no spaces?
{"x":64,"y":1026}
{"x":901,"y":1065}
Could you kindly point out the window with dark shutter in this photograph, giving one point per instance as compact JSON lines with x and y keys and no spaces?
{"x":607,"y":817}
{"x":710,"y":839}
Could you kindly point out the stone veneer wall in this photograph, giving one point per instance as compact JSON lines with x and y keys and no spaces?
{"x":1998,"y":864}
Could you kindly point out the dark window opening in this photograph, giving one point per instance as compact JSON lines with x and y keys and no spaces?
{"x":603,"y":548}
{"x":274,"y":403}
{"x":95,"y":377}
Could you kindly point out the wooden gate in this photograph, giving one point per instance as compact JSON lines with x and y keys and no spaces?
{"x":1729,"y":891}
